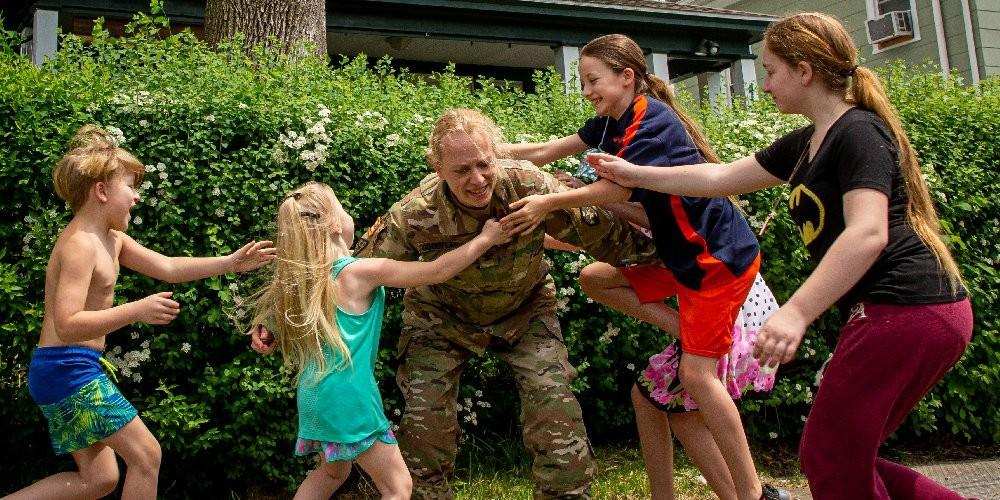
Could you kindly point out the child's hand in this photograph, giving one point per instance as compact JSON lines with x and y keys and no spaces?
{"x":494,"y":233}
{"x":252,"y":256}
{"x":528,"y":214}
{"x":157,"y":309}
{"x":616,"y":170}
{"x":262,"y":340}
{"x":780,"y":337}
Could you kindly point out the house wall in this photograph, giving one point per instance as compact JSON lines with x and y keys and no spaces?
{"x":853,"y":14}
{"x":986,"y":19}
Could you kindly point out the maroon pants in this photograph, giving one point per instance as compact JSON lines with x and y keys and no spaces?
{"x":887,"y":358}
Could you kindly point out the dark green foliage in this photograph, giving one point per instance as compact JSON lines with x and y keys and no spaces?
{"x":216,"y":130}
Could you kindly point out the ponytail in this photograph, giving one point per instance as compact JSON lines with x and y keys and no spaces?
{"x":868,"y":93}
{"x":660,"y":90}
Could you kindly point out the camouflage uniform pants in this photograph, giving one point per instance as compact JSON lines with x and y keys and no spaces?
{"x":553,"y":430}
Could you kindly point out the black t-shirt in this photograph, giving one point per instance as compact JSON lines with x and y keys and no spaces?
{"x":857,"y":152}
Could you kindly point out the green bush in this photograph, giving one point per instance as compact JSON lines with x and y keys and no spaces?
{"x":224,"y":135}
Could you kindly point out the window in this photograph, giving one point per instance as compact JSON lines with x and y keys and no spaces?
{"x":891,"y":23}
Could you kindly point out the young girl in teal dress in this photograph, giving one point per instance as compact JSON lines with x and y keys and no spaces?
{"x":323,"y":310}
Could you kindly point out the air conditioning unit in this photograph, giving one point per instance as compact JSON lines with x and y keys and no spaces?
{"x":890,"y":26}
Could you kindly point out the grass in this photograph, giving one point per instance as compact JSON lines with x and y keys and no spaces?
{"x":502,"y":471}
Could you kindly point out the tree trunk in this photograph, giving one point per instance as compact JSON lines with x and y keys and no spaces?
{"x":290,"y":22}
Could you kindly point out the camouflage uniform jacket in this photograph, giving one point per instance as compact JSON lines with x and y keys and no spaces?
{"x":509,"y":285}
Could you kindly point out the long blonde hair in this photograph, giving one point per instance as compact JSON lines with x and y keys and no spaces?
{"x":822,"y":41}
{"x":93,"y":156}
{"x":299,"y":305}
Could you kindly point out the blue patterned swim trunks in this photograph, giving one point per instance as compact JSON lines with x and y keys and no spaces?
{"x":92,"y":410}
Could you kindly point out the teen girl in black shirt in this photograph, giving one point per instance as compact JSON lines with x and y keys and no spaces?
{"x":866,"y":217}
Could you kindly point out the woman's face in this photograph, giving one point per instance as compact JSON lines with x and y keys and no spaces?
{"x":783,"y":82}
{"x":611,"y":93}
{"x":468,"y":167}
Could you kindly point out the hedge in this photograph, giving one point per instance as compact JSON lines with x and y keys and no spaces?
{"x":225,"y":134}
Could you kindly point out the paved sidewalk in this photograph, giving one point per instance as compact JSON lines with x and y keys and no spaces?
{"x":972,"y":478}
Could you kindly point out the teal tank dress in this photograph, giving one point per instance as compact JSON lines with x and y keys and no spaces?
{"x":340,"y":412}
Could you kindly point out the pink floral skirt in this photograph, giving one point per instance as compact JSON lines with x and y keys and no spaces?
{"x":739,"y":370}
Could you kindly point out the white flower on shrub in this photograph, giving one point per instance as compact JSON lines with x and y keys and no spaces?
{"x":185,"y":348}
{"x":611,"y":332}
{"x":391,"y":140}
{"x":116,"y":135}
{"x":216,"y":191}
{"x":143,"y":98}
{"x":242,"y":106}
{"x":372,"y":119}
{"x":210,"y":118}
{"x":129,"y":362}
{"x":318,"y":128}
{"x":146,"y":184}
{"x":163,"y":176}
{"x":161,"y":166}
{"x":143,"y":123}
{"x":219,"y":212}
{"x":279,"y":155}
{"x":562,"y":304}
{"x":312,"y":144}
{"x":137,"y":220}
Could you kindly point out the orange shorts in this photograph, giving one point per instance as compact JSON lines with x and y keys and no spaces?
{"x":707,"y":315}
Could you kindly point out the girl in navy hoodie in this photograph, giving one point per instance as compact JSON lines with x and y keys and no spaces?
{"x":709,"y":257}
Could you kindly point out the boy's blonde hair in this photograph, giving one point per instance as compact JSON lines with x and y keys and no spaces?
{"x":299,"y":305}
{"x":93,"y":157}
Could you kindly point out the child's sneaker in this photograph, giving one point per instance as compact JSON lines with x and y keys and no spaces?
{"x":772,"y":493}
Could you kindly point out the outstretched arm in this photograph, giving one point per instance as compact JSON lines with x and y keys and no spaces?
{"x":134,"y":256}
{"x":630,"y":211}
{"x":368,"y":274}
{"x":530,"y":211}
{"x":541,"y":153}
{"x":708,"y":179}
